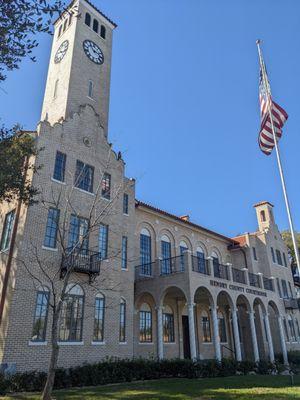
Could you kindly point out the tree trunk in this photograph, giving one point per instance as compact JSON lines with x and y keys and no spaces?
{"x":47,"y":392}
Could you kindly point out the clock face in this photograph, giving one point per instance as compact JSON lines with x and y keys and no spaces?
{"x":61,"y":51}
{"x":93,"y":52}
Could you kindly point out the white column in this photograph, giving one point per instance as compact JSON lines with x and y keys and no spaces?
{"x":246,"y":276}
{"x":237,"y":340}
{"x":229,"y":266}
{"x":254,"y":337}
{"x":160,"y":342}
{"x":269,"y":336}
{"x":192,"y":331}
{"x":282,"y":341}
{"x":214,"y":314}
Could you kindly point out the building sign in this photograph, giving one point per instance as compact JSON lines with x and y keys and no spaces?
{"x":241,"y":289}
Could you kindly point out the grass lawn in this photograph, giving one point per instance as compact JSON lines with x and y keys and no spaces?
{"x":257,"y":387}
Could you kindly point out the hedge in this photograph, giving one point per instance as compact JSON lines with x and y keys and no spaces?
{"x":126,"y":370}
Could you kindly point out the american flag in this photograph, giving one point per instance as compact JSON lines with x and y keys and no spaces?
{"x":279,"y":116}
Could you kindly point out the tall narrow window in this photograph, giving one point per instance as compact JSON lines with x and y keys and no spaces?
{"x":84,"y":176}
{"x":166,"y":255}
{"x":71,"y":319}
{"x":292,"y":329}
{"x":87,"y":19}
{"x":279,"y":259}
{"x":124,"y":252}
{"x":105,"y":186}
{"x":95,"y":25}
{"x":51,"y":228}
{"x":103,"y":241}
{"x":40,"y":315}
{"x":286,"y":330}
{"x":284,"y":289}
{"x":55,"y":89}
{"x":254,"y":253}
{"x":263,"y":216}
{"x":145,"y":324}
{"x":59,"y":167}
{"x":99,"y":318}
{"x":284,"y":260}
{"x":103,"y":31}
{"x":273,"y":255}
{"x":222,"y":327}
{"x":122,"y":330}
{"x":91,"y":89}
{"x":78,"y":234}
{"x":65,"y":24}
{"x":205,"y":322}
{"x":59,"y":31}
{"x":278,"y":287}
{"x":125,"y":203}
{"x":168,"y":325}
{"x":7,"y":230}
{"x":145,"y":252}
{"x":216,"y":265}
{"x":70,"y":19}
{"x":201,"y":260}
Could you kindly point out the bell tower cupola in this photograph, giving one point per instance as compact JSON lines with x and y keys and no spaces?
{"x":80,"y":64}
{"x":264,"y":213}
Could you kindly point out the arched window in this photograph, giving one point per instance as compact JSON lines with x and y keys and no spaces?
{"x":201,"y":264}
{"x":222,"y":327}
{"x":71,"y":319}
{"x":145,"y":323}
{"x":87,"y":19}
{"x":95,"y":25}
{"x":90,"y":89}
{"x":99,"y":318}
{"x":205,"y":325}
{"x":145,"y":252}
{"x":166,"y":255}
{"x":103,"y":31}
{"x":168,"y":325}
{"x":40,"y":315}
{"x":263,"y":216}
{"x":122,"y":330}
{"x":59,"y":30}
{"x":65,"y":24}
{"x":55,"y":89}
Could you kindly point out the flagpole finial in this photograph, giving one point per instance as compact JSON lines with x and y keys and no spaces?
{"x":258,"y":41}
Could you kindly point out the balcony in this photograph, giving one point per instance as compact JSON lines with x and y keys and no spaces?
{"x":82,"y":261}
{"x":238,"y":276}
{"x":173,"y":265}
{"x":200,"y":265}
{"x":253,"y":280}
{"x":145,"y":271}
{"x":221,"y":271}
{"x":268,"y":284}
{"x":290,"y":304}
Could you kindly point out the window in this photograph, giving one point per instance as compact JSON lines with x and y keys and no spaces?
{"x":292,"y":329}
{"x":200,"y":260}
{"x":278,"y":287}
{"x":124,"y":252}
{"x":90,"y":90}
{"x":103,"y":31}
{"x":95,"y":25}
{"x":263,"y":216}
{"x":168,"y":325}
{"x":51,"y":228}
{"x":166,"y":255}
{"x":125,"y":203}
{"x":279,"y":259}
{"x":284,"y":260}
{"x":59,"y":31}
{"x":206,"y":332}
{"x":122,"y":331}
{"x":273,"y":255}
{"x":286,"y":330}
{"x":99,"y":318}
{"x":70,"y":19}
{"x":71,"y":319}
{"x":78,"y":234}
{"x":284,"y":289}
{"x":105,"y":186}
{"x":103,"y":241}
{"x":145,"y":324}
{"x":216,"y":265}
{"x":65,"y":24}
{"x":145,"y":252}
{"x":7,"y":230}
{"x":55,"y":89}
{"x":183,"y":249}
{"x":87,"y":19}
{"x":84,"y":176}
{"x":59,"y":167}
{"x":254,"y":253}
{"x":222,"y":327}
{"x":40,"y":315}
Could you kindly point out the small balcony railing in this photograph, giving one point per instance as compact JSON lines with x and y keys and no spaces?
{"x":221,"y":271}
{"x":290,"y":304}
{"x":173,"y":265}
{"x":238,"y":276}
{"x":253,"y":279}
{"x":145,"y":271}
{"x":268,"y":284}
{"x":200,"y":265}
{"x":83,"y":261}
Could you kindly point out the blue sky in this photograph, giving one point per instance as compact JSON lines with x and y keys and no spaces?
{"x":184,"y":108}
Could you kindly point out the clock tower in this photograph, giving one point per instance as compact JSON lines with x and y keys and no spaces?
{"x":80,"y":64}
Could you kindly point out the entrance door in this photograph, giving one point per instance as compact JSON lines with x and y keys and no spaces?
{"x":186,"y":337}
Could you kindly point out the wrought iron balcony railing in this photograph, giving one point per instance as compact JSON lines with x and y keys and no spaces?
{"x":221,"y":271}
{"x":290,"y":304}
{"x":83,"y":261}
{"x":145,"y":271}
{"x":268,"y":284}
{"x":200,"y":265}
{"x":253,"y":279}
{"x":238,"y":275}
{"x":173,"y":265}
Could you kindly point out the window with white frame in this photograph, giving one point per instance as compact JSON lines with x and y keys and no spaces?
{"x":124,"y":252}
{"x":99,"y":318}
{"x":166,"y":255}
{"x":90,"y":89}
{"x":7,"y":230}
{"x":71,"y":318}
{"x":122,"y":321}
{"x":205,"y":325}
{"x":40,"y":315}
{"x":51,"y":228}
{"x":145,"y":323}
{"x":106,"y":186}
{"x":145,"y":252}
{"x":103,"y":241}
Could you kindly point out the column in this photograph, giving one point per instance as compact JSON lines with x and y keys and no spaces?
{"x":214,"y":314}
{"x":160,"y":342}
{"x":210,"y":266}
{"x":269,"y":336}
{"x":229,"y":268}
{"x":253,"y":335}
{"x":236,"y":334}
{"x":192,"y":331}
{"x":282,"y":341}
{"x":246,"y":276}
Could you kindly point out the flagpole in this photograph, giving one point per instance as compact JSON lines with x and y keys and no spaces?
{"x":268,"y":92}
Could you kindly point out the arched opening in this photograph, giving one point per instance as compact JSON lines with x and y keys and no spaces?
{"x":273,"y":314}
{"x":243,"y":308}
{"x":103,"y":31}
{"x":87,"y":19}
{"x":145,"y":252}
{"x":145,"y":324}
{"x":260,"y":327}
{"x":71,"y":319}
{"x":166,"y":254}
{"x":225,"y":305}
{"x":95,"y":25}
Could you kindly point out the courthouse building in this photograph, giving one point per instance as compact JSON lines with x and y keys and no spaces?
{"x":144,"y":283}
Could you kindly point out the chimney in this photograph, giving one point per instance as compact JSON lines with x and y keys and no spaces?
{"x":185,"y":218}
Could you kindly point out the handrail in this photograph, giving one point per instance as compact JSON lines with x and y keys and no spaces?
{"x":228,"y":348}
